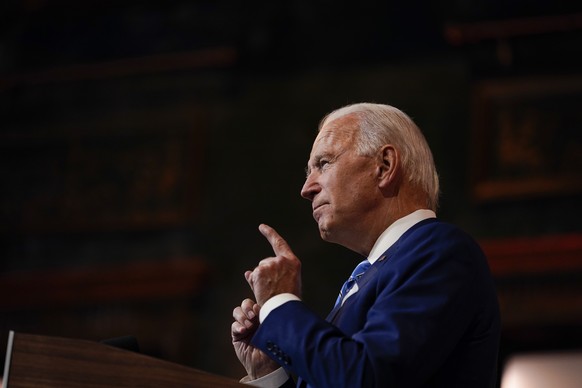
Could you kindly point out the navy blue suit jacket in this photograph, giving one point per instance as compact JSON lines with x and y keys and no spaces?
{"x":425,"y":315}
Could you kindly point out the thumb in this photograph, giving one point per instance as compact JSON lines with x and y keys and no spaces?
{"x":249,"y":279}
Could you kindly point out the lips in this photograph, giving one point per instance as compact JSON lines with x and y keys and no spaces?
{"x":317,"y":206}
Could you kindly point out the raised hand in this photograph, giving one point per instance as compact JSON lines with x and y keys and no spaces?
{"x":278,"y":274}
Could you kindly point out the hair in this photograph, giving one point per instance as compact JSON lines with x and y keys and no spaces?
{"x":384,"y":124}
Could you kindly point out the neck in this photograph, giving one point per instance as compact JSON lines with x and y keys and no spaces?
{"x":391,"y":211}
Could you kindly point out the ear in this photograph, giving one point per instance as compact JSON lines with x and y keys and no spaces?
{"x":388,"y":168}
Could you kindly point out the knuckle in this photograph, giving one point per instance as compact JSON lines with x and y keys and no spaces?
{"x":278,"y":241}
{"x":266,"y":263}
{"x":281,"y":244}
{"x":238,"y":315}
{"x":297,"y":263}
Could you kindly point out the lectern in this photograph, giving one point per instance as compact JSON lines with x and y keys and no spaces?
{"x":39,"y":361}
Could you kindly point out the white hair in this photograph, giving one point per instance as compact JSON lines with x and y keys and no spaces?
{"x":384,"y":124}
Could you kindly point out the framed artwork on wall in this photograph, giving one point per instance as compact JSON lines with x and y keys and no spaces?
{"x":116,"y":145}
{"x":527,"y":138}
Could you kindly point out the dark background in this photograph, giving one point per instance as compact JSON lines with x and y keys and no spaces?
{"x":141,"y":144}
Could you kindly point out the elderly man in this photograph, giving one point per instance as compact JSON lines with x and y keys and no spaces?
{"x":419,"y":311}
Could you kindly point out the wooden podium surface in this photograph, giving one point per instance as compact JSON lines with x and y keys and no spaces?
{"x":41,"y":361}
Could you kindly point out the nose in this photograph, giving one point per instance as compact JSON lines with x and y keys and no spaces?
{"x":310,"y":187}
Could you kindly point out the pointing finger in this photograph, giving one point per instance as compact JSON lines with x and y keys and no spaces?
{"x":278,"y":243}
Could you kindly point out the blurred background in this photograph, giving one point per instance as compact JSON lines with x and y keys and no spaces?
{"x":141,"y":144}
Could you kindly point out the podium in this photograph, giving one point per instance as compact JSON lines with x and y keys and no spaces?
{"x":40,"y":361}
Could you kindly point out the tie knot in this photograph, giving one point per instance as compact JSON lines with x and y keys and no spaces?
{"x":354,"y":277}
{"x":360,"y":269}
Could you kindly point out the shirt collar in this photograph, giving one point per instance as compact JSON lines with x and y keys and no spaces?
{"x":396,"y":230}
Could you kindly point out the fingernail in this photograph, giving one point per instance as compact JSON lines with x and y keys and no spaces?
{"x":251,"y":314}
{"x":248,"y":323}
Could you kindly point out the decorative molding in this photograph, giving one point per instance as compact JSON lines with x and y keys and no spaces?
{"x":101,"y":285}
{"x":532,"y":256}
{"x":469,"y":33}
{"x":538,"y":279}
{"x":153,"y":64}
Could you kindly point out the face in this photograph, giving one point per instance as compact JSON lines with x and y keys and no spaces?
{"x":341,"y":185}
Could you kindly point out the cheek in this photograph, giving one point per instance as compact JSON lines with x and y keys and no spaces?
{"x":352,"y":194}
{"x":360,"y":193}
{"x":348,"y":189}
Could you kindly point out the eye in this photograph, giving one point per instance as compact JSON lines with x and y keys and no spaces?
{"x":319,"y":164}
{"x":322,"y":163}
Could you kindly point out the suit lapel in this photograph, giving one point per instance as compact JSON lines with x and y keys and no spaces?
{"x":333,"y":313}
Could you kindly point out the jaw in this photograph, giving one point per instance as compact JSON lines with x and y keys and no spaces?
{"x":356,"y":233}
{"x":346,"y":238}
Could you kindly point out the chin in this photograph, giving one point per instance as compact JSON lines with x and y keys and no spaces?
{"x":326,"y":234}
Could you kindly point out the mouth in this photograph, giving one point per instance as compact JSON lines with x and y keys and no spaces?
{"x":317,"y":206}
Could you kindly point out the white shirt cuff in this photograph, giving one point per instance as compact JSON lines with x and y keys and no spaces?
{"x":275,"y":302}
{"x":272,"y":380}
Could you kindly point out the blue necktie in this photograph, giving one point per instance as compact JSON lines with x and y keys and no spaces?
{"x":356,"y":275}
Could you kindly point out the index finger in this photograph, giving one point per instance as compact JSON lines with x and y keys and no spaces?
{"x":278,"y":243}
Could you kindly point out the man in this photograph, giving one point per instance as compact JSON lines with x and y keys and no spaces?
{"x":424,"y":312}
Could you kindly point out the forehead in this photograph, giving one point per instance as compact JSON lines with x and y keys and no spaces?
{"x":337,"y":134}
